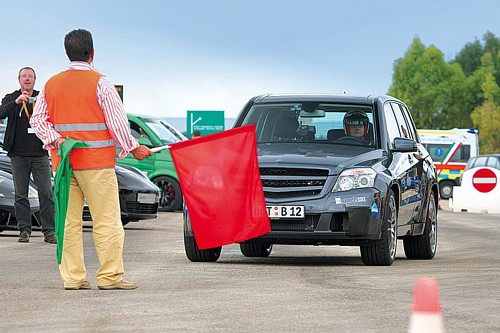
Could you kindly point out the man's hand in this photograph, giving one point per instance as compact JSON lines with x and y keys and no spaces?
{"x":141,"y":152}
{"x":59,"y":142}
{"x":24,"y":97}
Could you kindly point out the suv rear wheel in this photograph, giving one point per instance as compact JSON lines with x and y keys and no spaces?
{"x":424,"y":246}
{"x":170,"y":193}
{"x":382,"y":252}
{"x":256,"y":250}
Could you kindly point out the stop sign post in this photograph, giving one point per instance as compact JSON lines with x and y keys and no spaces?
{"x":484,"y":180}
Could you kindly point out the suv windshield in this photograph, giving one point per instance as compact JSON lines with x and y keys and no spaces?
{"x":314,"y":123}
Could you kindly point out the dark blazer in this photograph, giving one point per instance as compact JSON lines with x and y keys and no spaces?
{"x":8,"y":109}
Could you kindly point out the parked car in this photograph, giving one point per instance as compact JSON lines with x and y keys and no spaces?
{"x":7,"y":217}
{"x":332,"y":188}
{"x":138,"y":196}
{"x":155,"y":132}
{"x":487,"y":160}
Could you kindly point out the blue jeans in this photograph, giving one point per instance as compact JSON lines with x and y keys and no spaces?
{"x":22,"y":167}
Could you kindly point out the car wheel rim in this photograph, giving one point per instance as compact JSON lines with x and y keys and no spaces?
{"x":392,"y":227}
{"x":446,"y":190}
{"x":167,"y":193}
{"x":433,"y":225}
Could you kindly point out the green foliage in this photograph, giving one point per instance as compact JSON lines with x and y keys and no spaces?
{"x":487,"y":116}
{"x":431,"y":88}
{"x":462,"y":93}
{"x":470,"y":57}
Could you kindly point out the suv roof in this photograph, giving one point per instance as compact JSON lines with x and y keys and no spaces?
{"x":358,"y":99}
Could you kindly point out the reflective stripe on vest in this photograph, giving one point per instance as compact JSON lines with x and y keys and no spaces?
{"x":99,"y":144}
{"x":80,"y":127}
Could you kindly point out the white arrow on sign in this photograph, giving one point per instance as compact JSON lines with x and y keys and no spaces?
{"x":194,"y":122}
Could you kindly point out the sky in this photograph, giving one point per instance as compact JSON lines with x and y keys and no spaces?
{"x":174,"y":56}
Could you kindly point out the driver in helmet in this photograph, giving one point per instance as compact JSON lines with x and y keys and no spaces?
{"x":356,"y":124}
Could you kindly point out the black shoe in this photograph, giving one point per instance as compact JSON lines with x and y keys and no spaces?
{"x":50,"y":238}
{"x":24,"y":237}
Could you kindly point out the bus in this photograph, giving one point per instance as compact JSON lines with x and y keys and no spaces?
{"x":450,"y":150}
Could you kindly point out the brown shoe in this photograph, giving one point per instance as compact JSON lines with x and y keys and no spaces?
{"x":24,"y":237}
{"x":83,"y":285}
{"x":50,"y":238}
{"x":124,"y":285}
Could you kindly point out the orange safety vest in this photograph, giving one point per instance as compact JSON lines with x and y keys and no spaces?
{"x":75,"y":112}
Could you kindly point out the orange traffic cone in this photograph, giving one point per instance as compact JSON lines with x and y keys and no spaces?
{"x":426,"y":311}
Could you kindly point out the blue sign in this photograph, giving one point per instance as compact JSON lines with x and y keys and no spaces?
{"x":438,"y":152}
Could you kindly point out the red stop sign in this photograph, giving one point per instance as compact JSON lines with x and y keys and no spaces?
{"x":484,"y":180}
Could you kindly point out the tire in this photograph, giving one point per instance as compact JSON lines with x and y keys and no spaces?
{"x":256,"y":250}
{"x":170,"y":194}
{"x":446,"y":189}
{"x":196,"y":255}
{"x":425,"y":245}
{"x":382,"y":252}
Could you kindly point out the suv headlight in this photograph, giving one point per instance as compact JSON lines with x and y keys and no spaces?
{"x":355,"y":178}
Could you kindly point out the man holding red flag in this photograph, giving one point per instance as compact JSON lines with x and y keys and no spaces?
{"x":82,"y":104}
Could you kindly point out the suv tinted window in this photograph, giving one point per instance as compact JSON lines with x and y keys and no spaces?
{"x":392,"y":125}
{"x":312,"y":122}
{"x":409,"y":122}
{"x":403,"y":127}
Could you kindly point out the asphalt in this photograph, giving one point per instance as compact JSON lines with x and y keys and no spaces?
{"x":296,"y":289}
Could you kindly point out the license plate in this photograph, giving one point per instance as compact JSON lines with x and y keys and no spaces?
{"x":285,"y":212}
{"x":147,"y":198}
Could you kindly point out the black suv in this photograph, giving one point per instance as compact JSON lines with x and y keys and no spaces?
{"x":340,"y":170}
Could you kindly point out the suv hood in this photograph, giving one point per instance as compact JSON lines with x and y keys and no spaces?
{"x":333,"y":157}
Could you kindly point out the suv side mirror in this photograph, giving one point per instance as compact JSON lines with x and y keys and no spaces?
{"x":404,"y":145}
{"x":145,"y":141}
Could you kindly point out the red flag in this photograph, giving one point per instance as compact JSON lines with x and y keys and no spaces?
{"x":220,"y":180}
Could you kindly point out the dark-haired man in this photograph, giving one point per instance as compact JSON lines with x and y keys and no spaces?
{"x":82,"y":104}
{"x":27,"y":157}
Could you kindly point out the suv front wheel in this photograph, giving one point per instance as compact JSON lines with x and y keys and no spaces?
{"x":196,"y":255}
{"x":382,"y":252}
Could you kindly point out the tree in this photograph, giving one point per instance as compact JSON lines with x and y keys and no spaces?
{"x":470,"y":57}
{"x":487,"y":116}
{"x":432,"y":88}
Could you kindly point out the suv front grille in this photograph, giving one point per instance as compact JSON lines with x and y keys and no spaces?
{"x":291,"y":183}
{"x":281,"y":183}
{"x":292,"y":172}
{"x":281,"y":195}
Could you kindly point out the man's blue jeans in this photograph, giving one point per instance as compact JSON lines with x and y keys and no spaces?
{"x":22,"y":167}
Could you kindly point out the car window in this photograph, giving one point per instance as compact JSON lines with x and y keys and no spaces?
{"x":392,"y":125}
{"x":165,"y":134}
{"x":409,"y":121}
{"x":439,"y":150}
{"x":480,"y":162}
{"x":403,"y":127}
{"x":493,"y":162}
{"x":313,"y":123}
